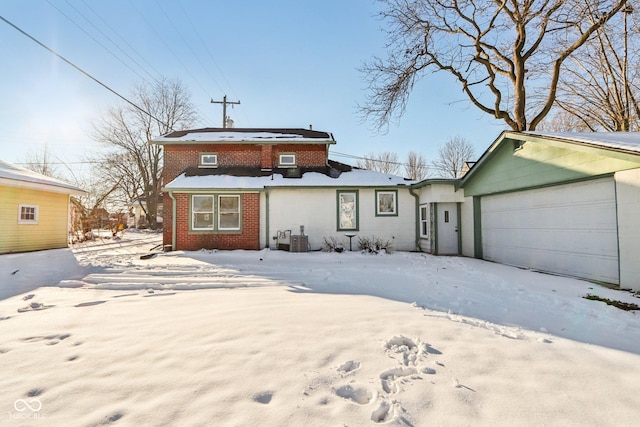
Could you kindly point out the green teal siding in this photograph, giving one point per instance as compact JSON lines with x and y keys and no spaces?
{"x":541,"y":162}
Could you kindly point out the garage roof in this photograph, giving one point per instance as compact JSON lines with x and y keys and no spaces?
{"x":624,"y":141}
{"x":17,"y":176}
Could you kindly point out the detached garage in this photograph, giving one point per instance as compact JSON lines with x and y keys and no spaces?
{"x":562,"y":203}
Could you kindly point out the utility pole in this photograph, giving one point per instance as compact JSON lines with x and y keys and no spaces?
{"x":224,"y":103}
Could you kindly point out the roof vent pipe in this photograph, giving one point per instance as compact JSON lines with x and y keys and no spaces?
{"x":310,"y":127}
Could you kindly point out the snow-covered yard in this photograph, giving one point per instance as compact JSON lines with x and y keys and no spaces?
{"x":97,"y":336}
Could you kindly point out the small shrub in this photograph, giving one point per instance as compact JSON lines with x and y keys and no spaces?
{"x":331,"y":244}
{"x":373,"y":245}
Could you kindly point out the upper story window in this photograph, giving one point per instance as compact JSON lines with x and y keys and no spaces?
{"x":27,"y":214}
{"x":287,"y":159}
{"x":208,"y":160}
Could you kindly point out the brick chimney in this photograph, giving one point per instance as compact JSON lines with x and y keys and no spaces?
{"x":267,"y":157}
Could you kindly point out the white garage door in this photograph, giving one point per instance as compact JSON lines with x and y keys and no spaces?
{"x":568,"y":229}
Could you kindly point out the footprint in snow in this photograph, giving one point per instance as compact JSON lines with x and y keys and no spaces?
{"x":90,"y":303}
{"x":384,"y":413}
{"x":34,"y":306}
{"x":389,"y":379}
{"x":359,"y":395}
{"x":348,"y":367}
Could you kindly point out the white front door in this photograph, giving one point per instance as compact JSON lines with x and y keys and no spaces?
{"x":447,"y":214}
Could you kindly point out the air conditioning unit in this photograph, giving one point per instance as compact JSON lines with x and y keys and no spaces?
{"x":299,"y":243}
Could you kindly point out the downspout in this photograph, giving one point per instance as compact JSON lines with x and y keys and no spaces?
{"x":174,"y":221}
{"x":417,"y":219}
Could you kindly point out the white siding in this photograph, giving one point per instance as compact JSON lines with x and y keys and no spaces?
{"x":466,"y":227}
{"x":316,"y":209}
{"x":567,"y":229}
{"x":628,"y":198}
{"x":441,"y":193}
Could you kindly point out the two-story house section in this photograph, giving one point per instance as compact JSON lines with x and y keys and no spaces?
{"x":244,"y":188}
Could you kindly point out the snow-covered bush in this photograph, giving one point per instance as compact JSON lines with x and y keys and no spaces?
{"x":373,"y":245}
{"x":331,"y":244}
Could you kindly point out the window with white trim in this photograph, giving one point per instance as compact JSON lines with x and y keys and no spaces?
{"x":287,"y":159}
{"x":228,"y":212}
{"x":208,"y":160}
{"x":424,"y":221}
{"x":27,"y":214}
{"x":202,"y":213}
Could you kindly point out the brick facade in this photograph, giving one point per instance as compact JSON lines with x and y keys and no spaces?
{"x":179,"y":157}
{"x":247,"y":238}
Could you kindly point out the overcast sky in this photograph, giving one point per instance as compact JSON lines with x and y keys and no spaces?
{"x":291,"y":63}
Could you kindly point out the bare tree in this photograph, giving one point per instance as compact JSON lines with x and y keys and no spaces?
{"x":385,"y":162}
{"x":560,"y":120}
{"x":416,"y":167}
{"x":132,"y":162}
{"x":452,"y":156}
{"x":599,"y":90}
{"x":42,"y":162}
{"x":506,"y":55}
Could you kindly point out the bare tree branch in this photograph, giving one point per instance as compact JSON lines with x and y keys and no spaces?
{"x":506,"y":55}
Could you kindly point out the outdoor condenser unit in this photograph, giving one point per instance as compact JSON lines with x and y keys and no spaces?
{"x":285,"y":241}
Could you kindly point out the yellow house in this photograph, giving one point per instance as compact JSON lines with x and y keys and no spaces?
{"x":34,"y":210}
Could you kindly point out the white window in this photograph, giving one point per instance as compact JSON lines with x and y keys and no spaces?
{"x":28,"y":214}
{"x":202,"y":213}
{"x":386,"y":203}
{"x":208,"y":160}
{"x":424,"y":221}
{"x":228,"y":212}
{"x":288,"y":159}
{"x":347,"y":210}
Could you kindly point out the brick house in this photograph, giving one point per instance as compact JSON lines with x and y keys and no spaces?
{"x":242,"y":188}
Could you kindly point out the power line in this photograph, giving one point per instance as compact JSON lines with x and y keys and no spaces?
{"x":91,"y":36}
{"x":211,"y":56}
{"x":133,"y":49}
{"x":159,"y":36}
{"x":86,"y":73}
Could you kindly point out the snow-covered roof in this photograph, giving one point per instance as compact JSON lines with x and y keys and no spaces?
{"x":625,"y":141}
{"x":17,"y":176}
{"x":354,"y":178}
{"x":242,"y":135}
